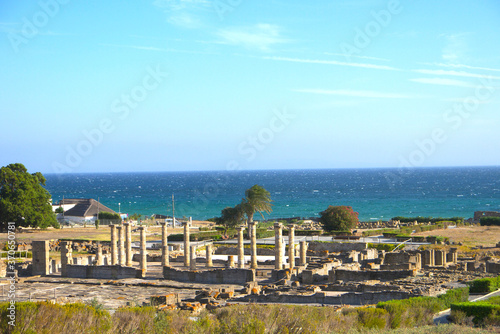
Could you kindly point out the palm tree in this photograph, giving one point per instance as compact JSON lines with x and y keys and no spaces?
{"x":257,"y":199}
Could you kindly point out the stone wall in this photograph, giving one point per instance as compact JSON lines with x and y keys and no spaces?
{"x":334,"y":247}
{"x":349,"y":298}
{"x":215,"y":276}
{"x":104,"y":272}
{"x":363,"y":275}
{"x":234,"y":251}
{"x":493,"y":267}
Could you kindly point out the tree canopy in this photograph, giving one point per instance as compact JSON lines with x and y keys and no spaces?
{"x":23,"y":199}
{"x":339,"y":218}
{"x":231,"y":217}
{"x":257,"y":199}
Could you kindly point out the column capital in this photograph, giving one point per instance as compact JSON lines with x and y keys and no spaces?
{"x":163,"y":223}
{"x":141,"y":228}
{"x":292,"y":226}
{"x":278,"y":225}
{"x":240,"y":228}
{"x":125,"y":224}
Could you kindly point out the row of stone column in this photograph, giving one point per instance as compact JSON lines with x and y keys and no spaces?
{"x":190,"y":251}
{"x":279,"y":248}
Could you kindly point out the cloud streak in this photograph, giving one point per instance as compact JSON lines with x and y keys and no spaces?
{"x":355,"y":93}
{"x":442,"y":81}
{"x":261,"y":37}
{"x":455,"y":73}
{"x":333,"y":62}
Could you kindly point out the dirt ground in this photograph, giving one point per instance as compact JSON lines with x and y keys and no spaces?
{"x":91,"y":233}
{"x":472,"y":236}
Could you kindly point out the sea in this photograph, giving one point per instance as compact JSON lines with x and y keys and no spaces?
{"x":376,"y":194}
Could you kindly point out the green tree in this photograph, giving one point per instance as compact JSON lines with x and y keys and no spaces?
{"x":339,"y":218}
{"x":231,"y":217}
{"x":257,"y":199}
{"x":23,"y":199}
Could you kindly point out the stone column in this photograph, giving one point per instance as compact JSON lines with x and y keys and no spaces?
{"x":192,"y":260}
{"x":209,"y":256}
{"x":114,"y":250}
{"x":164,"y":245}
{"x":66,"y":256}
{"x":230,"y":261}
{"x":40,"y":257}
{"x":253,"y":245}
{"x":128,"y":244}
{"x":121,"y":245}
{"x":278,"y":246}
{"x":454,"y":255}
{"x":187,"y":255}
{"x":98,"y":259}
{"x":241,"y":248}
{"x":144,"y":254}
{"x":303,"y":253}
{"x":291,"y":246}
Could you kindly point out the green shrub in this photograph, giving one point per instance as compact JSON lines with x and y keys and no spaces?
{"x":484,"y":285}
{"x":479,"y":310}
{"x":419,"y":311}
{"x":19,"y":254}
{"x":369,"y":317}
{"x":384,"y":247}
{"x":453,"y":296}
{"x":489,"y":221}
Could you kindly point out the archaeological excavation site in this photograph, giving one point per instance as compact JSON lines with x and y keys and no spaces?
{"x":289,"y":268}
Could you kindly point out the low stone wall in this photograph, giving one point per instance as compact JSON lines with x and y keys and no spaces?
{"x":215,"y":276}
{"x":349,"y":298}
{"x":336,"y":246}
{"x":105,"y":272}
{"x":493,"y":267}
{"x":223,"y":250}
{"x":363,"y":275}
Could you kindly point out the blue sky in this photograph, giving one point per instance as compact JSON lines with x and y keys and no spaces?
{"x":172,"y":85}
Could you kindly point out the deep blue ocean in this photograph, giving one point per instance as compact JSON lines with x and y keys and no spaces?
{"x":377,"y":194}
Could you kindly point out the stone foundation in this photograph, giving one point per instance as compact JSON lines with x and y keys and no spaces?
{"x":216,"y":276}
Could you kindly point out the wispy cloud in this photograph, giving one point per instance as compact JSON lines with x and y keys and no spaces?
{"x":442,"y":81}
{"x":260,"y":37}
{"x":184,"y":13}
{"x":463,"y":66}
{"x":333,"y":62}
{"x":354,"y":56}
{"x":153,"y":48}
{"x":455,"y":73}
{"x":355,"y":93}
{"x":455,"y":47}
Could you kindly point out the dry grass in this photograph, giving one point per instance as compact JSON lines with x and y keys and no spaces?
{"x":472,"y":236}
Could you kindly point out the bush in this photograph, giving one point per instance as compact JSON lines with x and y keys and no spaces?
{"x":384,"y":247}
{"x":479,"y":310}
{"x":484,"y":285}
{"x":419,"y":311}
{"x":489,"y":221}
{"x":261,"y":233}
